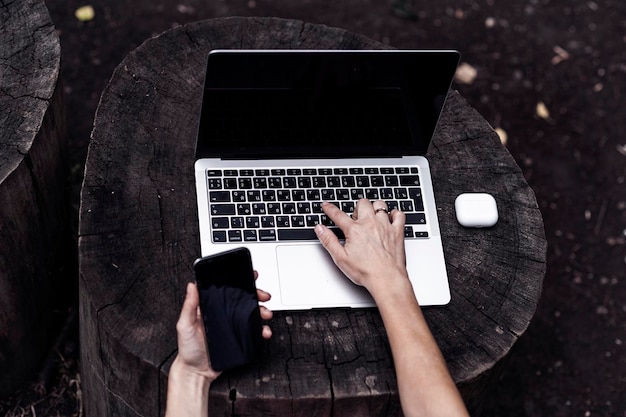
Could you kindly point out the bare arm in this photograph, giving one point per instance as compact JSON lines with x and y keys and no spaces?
{"x":191,"y":374}
{"x":373,"y":256}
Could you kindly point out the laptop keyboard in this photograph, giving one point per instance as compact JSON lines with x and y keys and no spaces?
{"x":284,"y":204}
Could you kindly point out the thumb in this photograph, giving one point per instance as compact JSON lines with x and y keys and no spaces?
{"x":329,"y":241}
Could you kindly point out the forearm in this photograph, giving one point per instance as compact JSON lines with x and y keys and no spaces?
{"x":425,"y":385}
{"x":187,"y":393}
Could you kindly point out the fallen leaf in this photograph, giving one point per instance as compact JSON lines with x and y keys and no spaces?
{"x":504,"y":137}
{"x":85,"y":13}
{"x":542,"y":111}
{"x":465,"y":74}
{"x":561,"y":55}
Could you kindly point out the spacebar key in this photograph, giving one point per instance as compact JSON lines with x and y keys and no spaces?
{"x":303,"y":234}
{"x":296,"y":234}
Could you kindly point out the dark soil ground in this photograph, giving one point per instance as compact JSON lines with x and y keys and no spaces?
{"x":550,"y":74}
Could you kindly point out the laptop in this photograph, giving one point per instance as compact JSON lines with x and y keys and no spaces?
{"x":283,"y":130}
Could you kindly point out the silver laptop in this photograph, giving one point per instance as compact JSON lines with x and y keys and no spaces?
{"x":283,"y":130}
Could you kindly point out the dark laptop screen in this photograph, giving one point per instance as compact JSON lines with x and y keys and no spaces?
{"x":269,"y":104}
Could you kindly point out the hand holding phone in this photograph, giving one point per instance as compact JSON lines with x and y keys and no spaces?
{"x":230,"y":308}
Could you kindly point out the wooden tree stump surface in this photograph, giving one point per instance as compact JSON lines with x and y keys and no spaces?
{"x":139,"y":237}
{"x":33,"y":215}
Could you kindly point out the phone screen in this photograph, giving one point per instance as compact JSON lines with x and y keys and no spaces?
{"x":230,"y":308}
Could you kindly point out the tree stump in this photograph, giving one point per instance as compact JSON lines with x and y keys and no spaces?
{"x":33,"y":212}
{"x":139,"y":237}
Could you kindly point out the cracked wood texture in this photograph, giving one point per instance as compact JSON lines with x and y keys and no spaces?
{"x":139,"y":237}
{"x":33,"y":213}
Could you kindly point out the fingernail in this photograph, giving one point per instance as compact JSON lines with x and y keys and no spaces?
{"x":319,"y":230}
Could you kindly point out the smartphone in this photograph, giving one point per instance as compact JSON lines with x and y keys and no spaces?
{"x":229,"y":308}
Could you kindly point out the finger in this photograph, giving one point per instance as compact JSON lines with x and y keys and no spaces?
{"x":256,"y":274}
{"x":340,"y":218}
{"x":363,"y":208}
{"x":189,"y":311}
{"x":379,"y":204}
{"x":398,"y":219}
{"x":263,"y":295}
{"x":329,"y":241}
{"x":266,"y":332}
{"x":266,"y":313}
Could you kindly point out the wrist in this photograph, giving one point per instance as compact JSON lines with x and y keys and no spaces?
{"x":188,"y":391}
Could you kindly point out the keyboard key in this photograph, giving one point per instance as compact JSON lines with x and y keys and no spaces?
{"x":239,"y":196}
{"x":282,"y":221}
{"x":250,"y":235}
{"x":402,"y":170}
{"x":268,"y":195}
{"x":408,"y":231}
{"x":377,"y":181}
{"x":261,"y":172}
{"x":297,"y":221}
{"x":415,"y":218}
{"x":391,"y":205}
{"x":304,"y":182}
{"x":275,"y":182}
{"x":371,"y":171}
{"x":283,"y":195}
{"x":386,"y":193}
{"x":259,"y":208}
{"x":319,"y":182}
{"x":343,"y":194}
{"x":347,"y":206}
{"x":222,"y":209}
{"x":244,"y":183}
{"x":340,"y":171}
{"x":219,"y":236}
{"x":391,"y":181}
{"x":313,"y":195}
{"x":268,"y":221}
{"x":371,"y":194}
{"x":316,"y":207}
{"x":421,"y":234}
{"x":312,"y":220}
{"x":303,"y":208}
{"x":230,"y":173}
{"x":220,"y":222}
{"x":253,"y":222}
{"x":246,"y":172}
{"x":294,"y":171}
{"x":219,"y":196}
{"x":230,"y":183}
{"x":415,"y":194}
{"x":328,"y":194}
{"x":347,"y":181}
{"x":325,"y":171}
{"x":259,"y":182}
{"x":304,"y":234}
{"x":234,"y":236}
{"x":236,"y":222}
{"x":355,"y":171}
{"x":410,"y":180}
{"x":406,"y":206}
{"x":289,"y":208}
{"x":400,"y":193}
{"x":253,"y":196}
{"x":387,"y":171}
{"x":215,"y":183}
{"x":357,"y":193}
{"x":333,"y":181}
{"x":279,"y":172}
{"x":309,"y":171}
{"x":273,"y":208}
{"x":243,"y":209}
{"x":290,"y":182}
{"x":266,"y":235}
{"x":298,"y":195}
{"x":213,"y":172}
{"x":362,"y":181}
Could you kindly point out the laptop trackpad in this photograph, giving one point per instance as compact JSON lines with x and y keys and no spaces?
{"x":309,"y":278}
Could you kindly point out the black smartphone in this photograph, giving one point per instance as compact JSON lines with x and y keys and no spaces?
{"x":230,"y":308}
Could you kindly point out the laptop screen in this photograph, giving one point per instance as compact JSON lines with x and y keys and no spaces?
{"x":289,"y":104}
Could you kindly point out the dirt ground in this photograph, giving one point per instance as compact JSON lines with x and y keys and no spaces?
{"x":549,"y":74}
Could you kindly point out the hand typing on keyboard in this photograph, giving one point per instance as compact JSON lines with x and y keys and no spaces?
{"x":373,"y":256}
{"x":374,"y":242}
